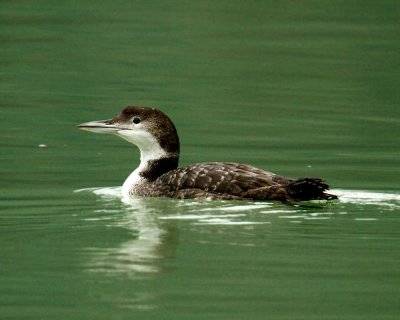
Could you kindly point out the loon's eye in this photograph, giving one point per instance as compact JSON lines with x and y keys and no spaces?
{"x":136,"y":120}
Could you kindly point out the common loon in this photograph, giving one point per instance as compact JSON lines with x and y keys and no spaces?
{"x":158,"y":174}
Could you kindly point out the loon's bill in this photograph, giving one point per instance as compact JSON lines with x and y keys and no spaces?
{"x":153,"y":132}
{"x":101,"y":126}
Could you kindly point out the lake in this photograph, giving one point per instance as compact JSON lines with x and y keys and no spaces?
{"x":305,"y":88}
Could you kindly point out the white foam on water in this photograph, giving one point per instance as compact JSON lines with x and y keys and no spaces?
{"x":108,"y":192}
{"x":368,"y":197}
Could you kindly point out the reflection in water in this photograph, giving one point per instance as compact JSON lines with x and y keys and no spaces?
{"x":152,"y":223}
{"x":226,"y":213}
{"x":150,"y":240}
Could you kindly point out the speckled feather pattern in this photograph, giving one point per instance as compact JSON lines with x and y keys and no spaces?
{"x":216,"y":180}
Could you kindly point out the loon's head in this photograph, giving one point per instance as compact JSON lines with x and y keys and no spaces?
{"x":149,"y":129}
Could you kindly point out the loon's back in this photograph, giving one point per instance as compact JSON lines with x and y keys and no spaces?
{"x":226,"y":180}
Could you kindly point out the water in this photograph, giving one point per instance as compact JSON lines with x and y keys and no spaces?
{"x":297,"y":88}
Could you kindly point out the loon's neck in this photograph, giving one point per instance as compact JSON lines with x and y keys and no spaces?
{"x":150,"y":169}
{"x":157,"y":167}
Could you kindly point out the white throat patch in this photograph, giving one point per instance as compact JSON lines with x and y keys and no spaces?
{"x":149,"y":148}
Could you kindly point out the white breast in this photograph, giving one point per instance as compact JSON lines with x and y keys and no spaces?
{"x":134,"y":179}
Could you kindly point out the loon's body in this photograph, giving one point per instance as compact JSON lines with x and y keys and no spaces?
{"x":158,"y":174}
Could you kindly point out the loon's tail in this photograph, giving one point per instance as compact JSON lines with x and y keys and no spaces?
{"x":293,"y":191}
{"x":305,"y":189}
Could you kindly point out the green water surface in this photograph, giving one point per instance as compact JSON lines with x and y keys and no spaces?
{"x":300,"y":88}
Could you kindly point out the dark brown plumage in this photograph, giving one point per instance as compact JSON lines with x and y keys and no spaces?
{"x":233,"y":181}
